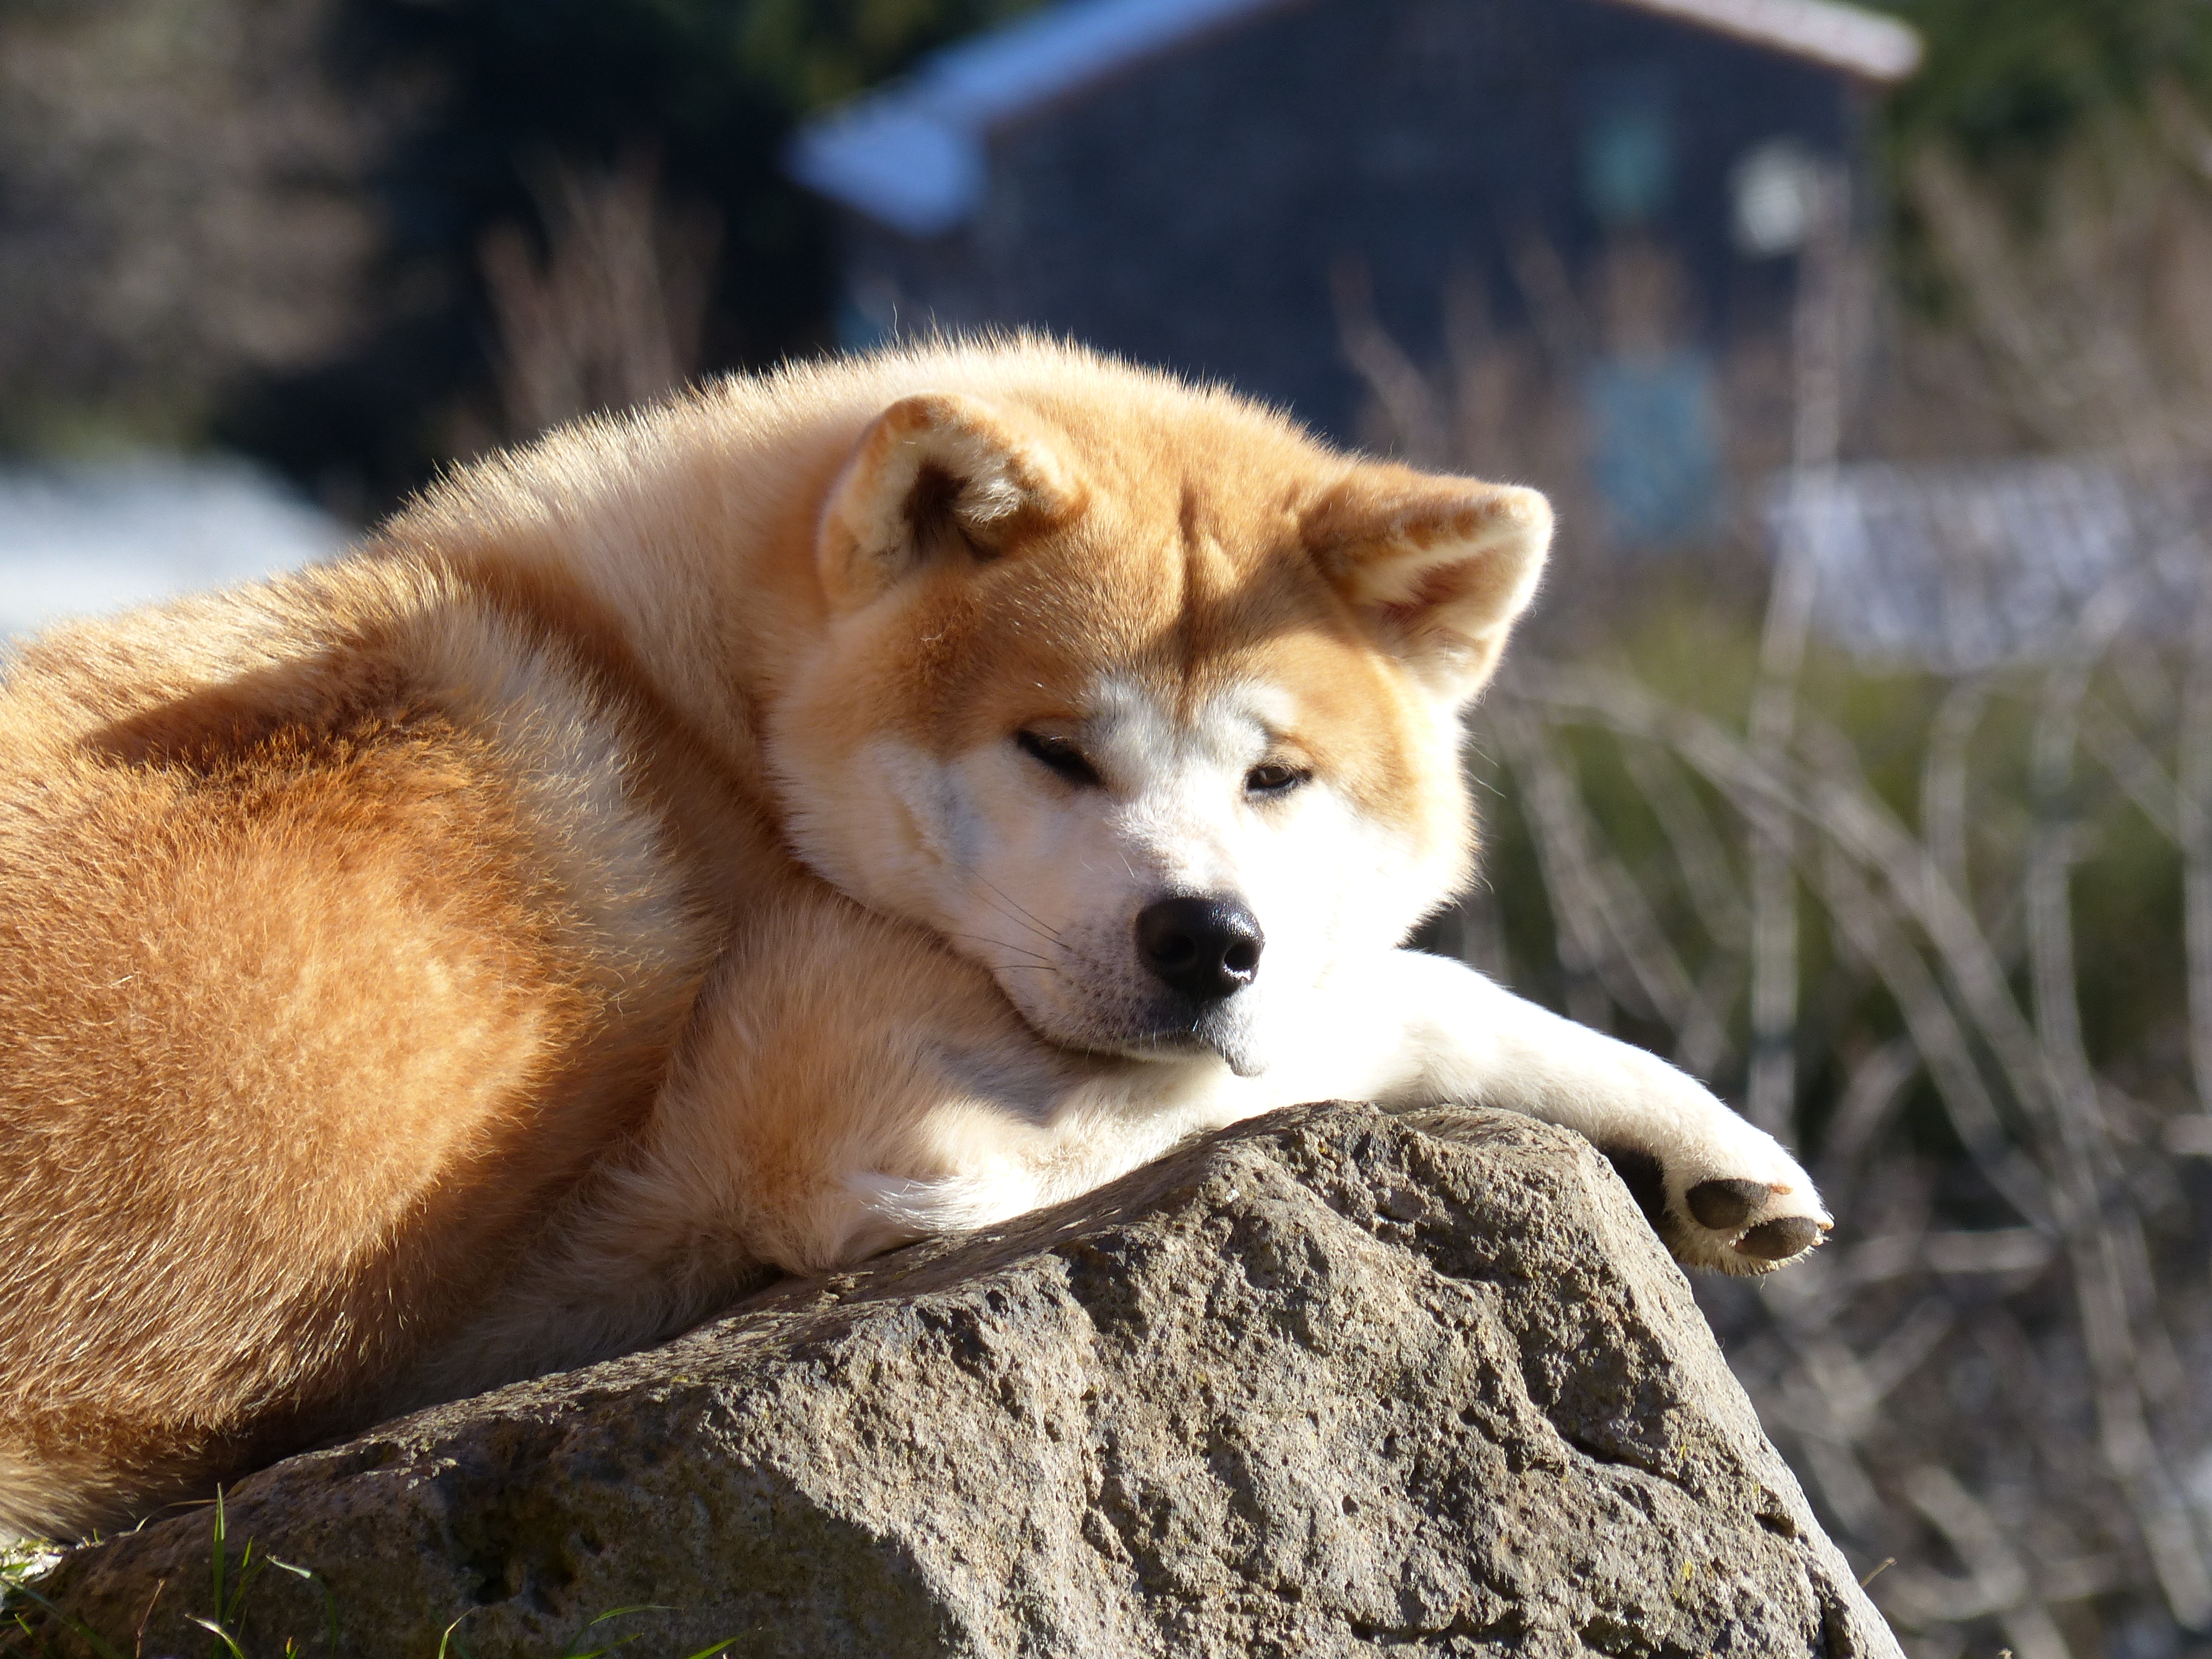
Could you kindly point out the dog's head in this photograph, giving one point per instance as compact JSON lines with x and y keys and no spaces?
{"x":1144,"y":700}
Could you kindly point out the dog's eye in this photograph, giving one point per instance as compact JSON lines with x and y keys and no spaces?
{"x":1274,"y":778}
{"x":1063,"y":756}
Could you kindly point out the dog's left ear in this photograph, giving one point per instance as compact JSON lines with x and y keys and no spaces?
{"x":936,"y":476}
{"x":1438,"y":568}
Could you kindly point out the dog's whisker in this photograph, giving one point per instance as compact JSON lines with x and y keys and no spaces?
{"x":1000,"y":943}
{"x":1023,"y":922}
{"x":998,"y":902}
{"x":1028,"y":927}
{"x":1048,"y":932}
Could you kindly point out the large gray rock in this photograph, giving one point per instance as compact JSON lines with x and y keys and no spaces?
{"x":1328,"y":1382}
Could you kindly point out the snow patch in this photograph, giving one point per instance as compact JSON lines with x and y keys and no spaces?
{"x":81,"y":537}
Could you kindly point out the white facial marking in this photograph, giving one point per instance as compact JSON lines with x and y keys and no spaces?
{"x":1042,"y":879}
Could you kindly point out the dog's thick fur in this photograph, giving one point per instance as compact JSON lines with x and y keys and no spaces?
{"x":707,"y":844}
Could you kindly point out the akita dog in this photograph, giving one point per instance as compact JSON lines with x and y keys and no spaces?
{"x":728,"y":841}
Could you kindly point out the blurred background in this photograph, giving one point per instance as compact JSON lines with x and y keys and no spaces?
{"x":1859,"y":755}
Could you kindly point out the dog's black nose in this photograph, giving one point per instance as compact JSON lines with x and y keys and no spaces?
{"x":1206,"y":948}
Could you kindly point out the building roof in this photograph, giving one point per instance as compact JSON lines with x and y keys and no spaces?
{"x":912,"y":154}
{"x":1847,"y":38}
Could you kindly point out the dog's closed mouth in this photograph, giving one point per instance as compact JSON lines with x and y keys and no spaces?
{"x":1201,"y":1036}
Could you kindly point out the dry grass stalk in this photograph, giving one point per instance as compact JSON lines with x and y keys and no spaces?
{"x":2191,"y":822}
{"x":613,"y":312}
{"x":2010,"y":1394}
{"x":2041,"y":1140}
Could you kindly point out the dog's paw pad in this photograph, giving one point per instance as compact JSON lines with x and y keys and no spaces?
{"x":1727,"y":1204}
{"x":1728,"y":1224}
{"x":1779,"y":1239}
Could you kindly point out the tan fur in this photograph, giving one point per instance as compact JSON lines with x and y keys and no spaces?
{"x":454,"y":962}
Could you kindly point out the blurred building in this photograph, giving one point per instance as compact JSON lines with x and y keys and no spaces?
{"x":1211,"y":183}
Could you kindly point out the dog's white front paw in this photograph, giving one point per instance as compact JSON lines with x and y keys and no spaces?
{"x":1719,"y":1192}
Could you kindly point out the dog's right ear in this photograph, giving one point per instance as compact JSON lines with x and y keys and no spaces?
{"x":1438,"y":567}
{"x":940,"y":474}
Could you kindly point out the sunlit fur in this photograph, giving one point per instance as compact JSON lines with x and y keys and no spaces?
{"x":623,"y":883}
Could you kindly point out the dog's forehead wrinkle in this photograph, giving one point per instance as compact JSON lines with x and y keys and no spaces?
{"x":1224,"y":725}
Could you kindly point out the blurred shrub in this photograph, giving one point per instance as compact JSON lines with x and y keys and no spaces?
{"x":1986,"y":1375}
{"x":181,"y":201}
{"x":1950,"y":935}
{"x":266,"y":220}
{"x":2010,"y":83}
{"x":526,"y":102}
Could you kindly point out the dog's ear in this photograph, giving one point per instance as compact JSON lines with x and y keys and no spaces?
{"x":1437,"y":567}
{"x":938,"y":475}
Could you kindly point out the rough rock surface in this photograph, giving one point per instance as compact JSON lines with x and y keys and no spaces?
{"x":1328,"y":1382}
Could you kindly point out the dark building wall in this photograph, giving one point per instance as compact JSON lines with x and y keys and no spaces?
{"x":1190,"y":212}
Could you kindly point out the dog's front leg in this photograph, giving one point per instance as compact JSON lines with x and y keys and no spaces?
{"x":1721,"y":1193}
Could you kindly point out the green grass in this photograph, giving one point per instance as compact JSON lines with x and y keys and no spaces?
{"x":231,"y":1581}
